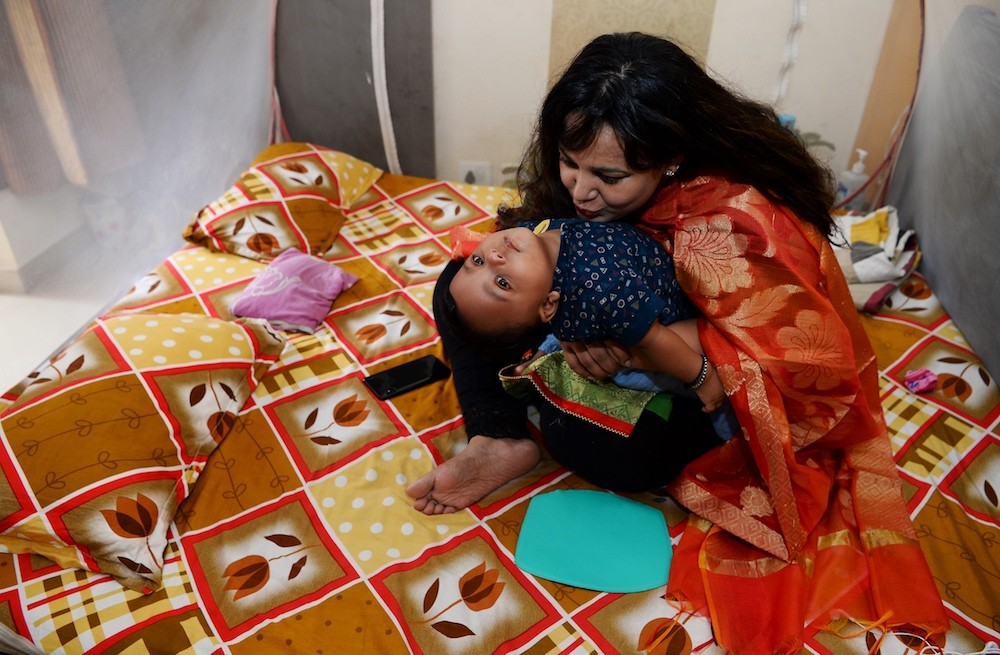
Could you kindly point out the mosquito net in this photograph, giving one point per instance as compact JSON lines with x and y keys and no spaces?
{"x":118,"y":119}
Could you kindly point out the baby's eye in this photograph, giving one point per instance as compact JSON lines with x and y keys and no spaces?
{"x":476,"y":259}
{"x":502,"y":282}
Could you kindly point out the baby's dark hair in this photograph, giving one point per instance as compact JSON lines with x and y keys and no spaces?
{"x":506,"y":344}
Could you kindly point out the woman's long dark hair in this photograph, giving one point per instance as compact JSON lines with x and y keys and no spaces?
{"x":662,"y":105}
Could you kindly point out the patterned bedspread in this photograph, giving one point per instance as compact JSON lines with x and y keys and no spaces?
{"x":298,"y":536}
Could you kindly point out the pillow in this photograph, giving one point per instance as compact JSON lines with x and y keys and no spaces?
{"x":295,"y":291}
{"x":293,"y":196}
{"x":108,"y":438}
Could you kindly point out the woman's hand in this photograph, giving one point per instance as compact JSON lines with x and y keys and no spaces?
{"x":597,"y":360}
{"x":710,"y":393}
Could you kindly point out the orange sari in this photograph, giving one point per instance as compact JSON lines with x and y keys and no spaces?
{"x":802,"y":521}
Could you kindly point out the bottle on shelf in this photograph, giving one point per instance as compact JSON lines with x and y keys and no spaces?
{"x":850,"y":180}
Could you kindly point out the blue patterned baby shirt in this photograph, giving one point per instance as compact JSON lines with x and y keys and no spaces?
{"x":613,"y":281}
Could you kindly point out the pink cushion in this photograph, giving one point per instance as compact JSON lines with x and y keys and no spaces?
{"x":295,"y":291}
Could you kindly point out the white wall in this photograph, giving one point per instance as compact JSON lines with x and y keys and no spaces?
{"x":491,"y":58}
{"x":490,"y":74}
{"x":839,"y":44}
{"x":23,"y":236}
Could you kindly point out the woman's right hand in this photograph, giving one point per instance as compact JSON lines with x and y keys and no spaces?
{"x":711,"y":393}
{"x":597,"y":360}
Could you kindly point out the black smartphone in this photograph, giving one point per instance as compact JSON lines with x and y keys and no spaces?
{"x":407,"y":377}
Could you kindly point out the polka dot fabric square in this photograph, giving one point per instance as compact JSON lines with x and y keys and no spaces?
{"x":108,"y":436}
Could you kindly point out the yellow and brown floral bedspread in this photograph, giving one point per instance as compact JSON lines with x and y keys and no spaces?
{"x":299,"y":538}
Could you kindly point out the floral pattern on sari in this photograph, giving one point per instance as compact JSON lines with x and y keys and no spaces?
{"x":807,"y":512}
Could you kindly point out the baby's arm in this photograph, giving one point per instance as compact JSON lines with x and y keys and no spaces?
{"x":675,"y":350}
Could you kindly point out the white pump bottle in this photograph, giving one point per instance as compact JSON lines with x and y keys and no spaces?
{"x":849,"y":182}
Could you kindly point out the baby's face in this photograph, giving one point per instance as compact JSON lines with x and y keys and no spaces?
{"x":504,"y":282}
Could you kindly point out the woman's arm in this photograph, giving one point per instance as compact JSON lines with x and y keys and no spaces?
{"x":666,"y":348}
{"x":599,"y":360}
{"x":671,"y":349}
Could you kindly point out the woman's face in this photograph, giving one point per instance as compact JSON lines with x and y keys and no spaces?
{"x":601,"y":184}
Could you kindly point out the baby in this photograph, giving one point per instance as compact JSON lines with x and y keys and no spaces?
{"x":584,"y":281}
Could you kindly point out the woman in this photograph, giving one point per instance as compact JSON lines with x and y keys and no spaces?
{"x":804,"y":514}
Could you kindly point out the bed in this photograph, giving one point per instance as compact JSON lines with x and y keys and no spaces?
{"x":244,"y":489}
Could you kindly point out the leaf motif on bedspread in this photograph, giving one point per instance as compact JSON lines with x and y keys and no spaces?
{"x":134,"y":519}
{"x":264,"y":243}
{"x":349,"y":412}
{"x":247,"y":575}
{"x":429,"y":260}
{"x":221,"y":422}
{"x":374,"y":331}
{"x":250,"y":574}
{"x":664,"y":636}
{"x":371,"y":333}
{"x":146,"y":285}
{"x":991,"y":493}
{"x":913,"y":289}
{"x":75,"y":365}
{"x":448,"y":207}
{"x":478,"y":588}
{"x":956,"y":386}
{"x":297,"y":167}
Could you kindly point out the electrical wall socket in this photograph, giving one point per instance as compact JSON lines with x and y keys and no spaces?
{"x":474,"y":172}
{"x":508,"y":176}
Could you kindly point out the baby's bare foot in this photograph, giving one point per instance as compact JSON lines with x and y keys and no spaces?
{"x":484,"y":466}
